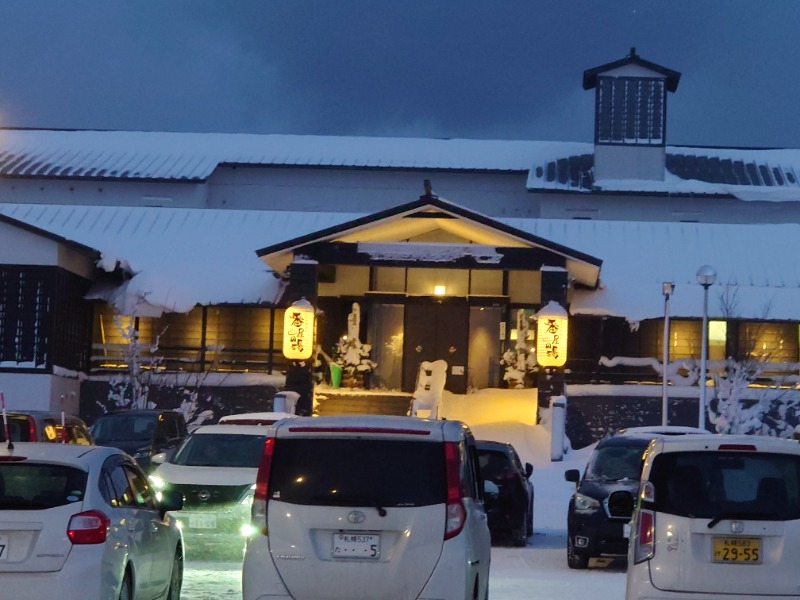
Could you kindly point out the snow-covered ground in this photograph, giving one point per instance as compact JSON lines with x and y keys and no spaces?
{"x":538,"y":570}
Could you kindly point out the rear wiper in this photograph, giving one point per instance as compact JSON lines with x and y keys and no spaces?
{"x":742,"y":515}
{"x":353,"y":500}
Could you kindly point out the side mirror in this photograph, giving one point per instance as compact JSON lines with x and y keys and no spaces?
{"x":171,"y":500}
{"x":490,"y":491}
{"x":528,"y":470}
{"x":573,"y":475}
{"x":159,"y":459}
{"x":620,"y":504}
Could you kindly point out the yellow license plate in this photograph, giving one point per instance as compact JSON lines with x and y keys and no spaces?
{"x":736,"y":550}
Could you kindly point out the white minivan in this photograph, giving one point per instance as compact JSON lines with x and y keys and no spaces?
{"x":368,"y":506}
{"x":718,"y":516}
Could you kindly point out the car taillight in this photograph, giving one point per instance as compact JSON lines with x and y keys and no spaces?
{"x":644,"y":541}
{"x":258,"y":510}
{"x":32,"y":436}
{"x":90,"y":527}
{"x":456,"y":514}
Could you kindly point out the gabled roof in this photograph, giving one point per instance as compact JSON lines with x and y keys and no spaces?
{"x":421,"y":216}
{"x":49,"y":235}
{"x":672,"y":77}
{"x":183,"y":257}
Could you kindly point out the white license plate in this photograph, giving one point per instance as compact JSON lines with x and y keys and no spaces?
{"x":356,"y":545}
{"x":3,"y":547}
{"x":202,"y":521}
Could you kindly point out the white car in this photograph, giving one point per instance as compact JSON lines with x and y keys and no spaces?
{"x":255,"y":418}
{"x":367,"y":507}
{"x":81,"y":522}
{"x":718,"y":516}
{"x":215,"y":469}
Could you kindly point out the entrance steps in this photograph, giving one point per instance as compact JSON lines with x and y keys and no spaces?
{"x":346,"y":401}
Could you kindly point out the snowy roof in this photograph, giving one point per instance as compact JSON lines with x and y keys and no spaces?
{"x":564,"y":166}
{"x":744,"y":174}
{"x":194,"y":156}
{"x":184,"y":257}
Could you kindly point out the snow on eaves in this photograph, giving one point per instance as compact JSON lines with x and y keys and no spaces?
{"x":184,"y":257}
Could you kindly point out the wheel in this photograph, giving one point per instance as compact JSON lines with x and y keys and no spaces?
{"x":529,"y":526}
{"x":518,"y":535}
{"x":575,"y":560}
{"x":126,"y":590}
{"x":176,"y":578}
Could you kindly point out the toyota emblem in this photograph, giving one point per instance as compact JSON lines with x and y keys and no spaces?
{"x":356,"y":517}
{"x":203,"y":495}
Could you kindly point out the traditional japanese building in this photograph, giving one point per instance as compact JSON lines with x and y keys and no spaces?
{"x":180,"y":252}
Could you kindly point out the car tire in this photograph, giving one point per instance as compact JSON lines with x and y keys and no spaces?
{"x":518,"y":535}
{"x":176,"y":576}
{"x":529,"y":525}
{"x":126,"y":589}
{"x":575,"y":560}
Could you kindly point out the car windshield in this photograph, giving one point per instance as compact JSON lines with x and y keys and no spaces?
{"x":616,"y":462}
{"x":124,"y":428}
{"x":31,"y":486}
{"x":720,"y":485}
{"x":221,"y":450}
{"x":358,"y":472}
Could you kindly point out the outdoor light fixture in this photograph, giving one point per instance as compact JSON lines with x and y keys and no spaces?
{"x":667,"y":289}
{"x":706,"y":276}
{"x":551,"y":335}
{"x":439,"y":290}
{"x":298,"y":330}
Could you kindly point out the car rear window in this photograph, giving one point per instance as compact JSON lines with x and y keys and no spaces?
{"x":19,"y":429}
{"x":126,"y":428}
{"x":221,"y":450}
{"x":31,"y":486}
{"x":718,"y":485}
{"x":495,"y":466}
{"x":358,"y":472}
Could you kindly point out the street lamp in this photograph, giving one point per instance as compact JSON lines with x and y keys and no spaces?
{"x":706,"y":276}
{"x":667,"y":288}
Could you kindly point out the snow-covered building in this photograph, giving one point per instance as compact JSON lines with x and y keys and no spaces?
{"x":198,"y":242}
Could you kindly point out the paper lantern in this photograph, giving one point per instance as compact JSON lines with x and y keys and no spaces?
{"x":298,"y":330}
{"x":551,"y":335}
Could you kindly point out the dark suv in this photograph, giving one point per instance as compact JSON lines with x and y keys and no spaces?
{"x":600,"y":508}
{"x":511,"y":513}
{"x":141,"y":433}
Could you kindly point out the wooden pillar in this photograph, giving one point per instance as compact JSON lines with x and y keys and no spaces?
{"x":555,"y":282}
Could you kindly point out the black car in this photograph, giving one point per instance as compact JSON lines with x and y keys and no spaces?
{"x":511,"y":513}
{"x":601,"y":506}
{"x":142,"y":433}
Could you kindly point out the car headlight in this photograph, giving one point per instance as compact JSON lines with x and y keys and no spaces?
{"x":586,"y":504}
{"x":157,"y":482}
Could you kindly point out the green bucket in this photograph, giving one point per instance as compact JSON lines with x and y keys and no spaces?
{"x":336,"y":375}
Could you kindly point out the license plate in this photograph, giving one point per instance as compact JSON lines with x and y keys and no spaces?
{"x":202,"y":521}
{"x":736,"y":550}
{"x":3,"y":547}
{"x":356,"y":545}
{"x":626,"y":531}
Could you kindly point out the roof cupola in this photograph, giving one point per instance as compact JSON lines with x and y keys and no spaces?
{"x":630,"y":117}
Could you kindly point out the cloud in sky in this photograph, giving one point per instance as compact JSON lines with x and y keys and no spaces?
{"x":428,"y":68}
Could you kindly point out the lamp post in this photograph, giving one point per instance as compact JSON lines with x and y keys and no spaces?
{"x":667,"y":288}
{"x":706,"y":276}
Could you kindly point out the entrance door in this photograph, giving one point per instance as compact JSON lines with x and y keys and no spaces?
{"x":436,"y":329}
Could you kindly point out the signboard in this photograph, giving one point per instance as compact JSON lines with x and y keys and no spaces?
{"x":298,"y":331}
{"x":551,"y":335}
